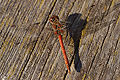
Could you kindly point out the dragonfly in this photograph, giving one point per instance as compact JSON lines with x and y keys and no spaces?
{"x":58,"y":27}
{"x":58,"y":30}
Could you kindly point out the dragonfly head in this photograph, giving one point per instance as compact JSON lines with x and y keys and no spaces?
{"x":54,"y":19}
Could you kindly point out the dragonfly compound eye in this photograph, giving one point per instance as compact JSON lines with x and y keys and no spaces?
{"x":52,"y":19}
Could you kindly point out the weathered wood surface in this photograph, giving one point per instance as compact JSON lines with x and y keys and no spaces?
{"x":28,"y":51}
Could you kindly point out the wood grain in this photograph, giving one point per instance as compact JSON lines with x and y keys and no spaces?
{"x":28,"y":51}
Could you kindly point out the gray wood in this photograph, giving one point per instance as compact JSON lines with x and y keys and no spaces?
{"x":28,"y":51}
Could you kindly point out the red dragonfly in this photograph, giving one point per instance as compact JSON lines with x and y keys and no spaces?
{"x":57,"y":28}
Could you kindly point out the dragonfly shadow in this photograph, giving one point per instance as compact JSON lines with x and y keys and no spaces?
{"x":74,"y":28}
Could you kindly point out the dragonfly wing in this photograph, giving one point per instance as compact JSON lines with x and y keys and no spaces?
{"x":49,"y":29}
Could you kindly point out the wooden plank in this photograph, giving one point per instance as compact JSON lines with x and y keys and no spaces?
{"x":92,"y":40}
